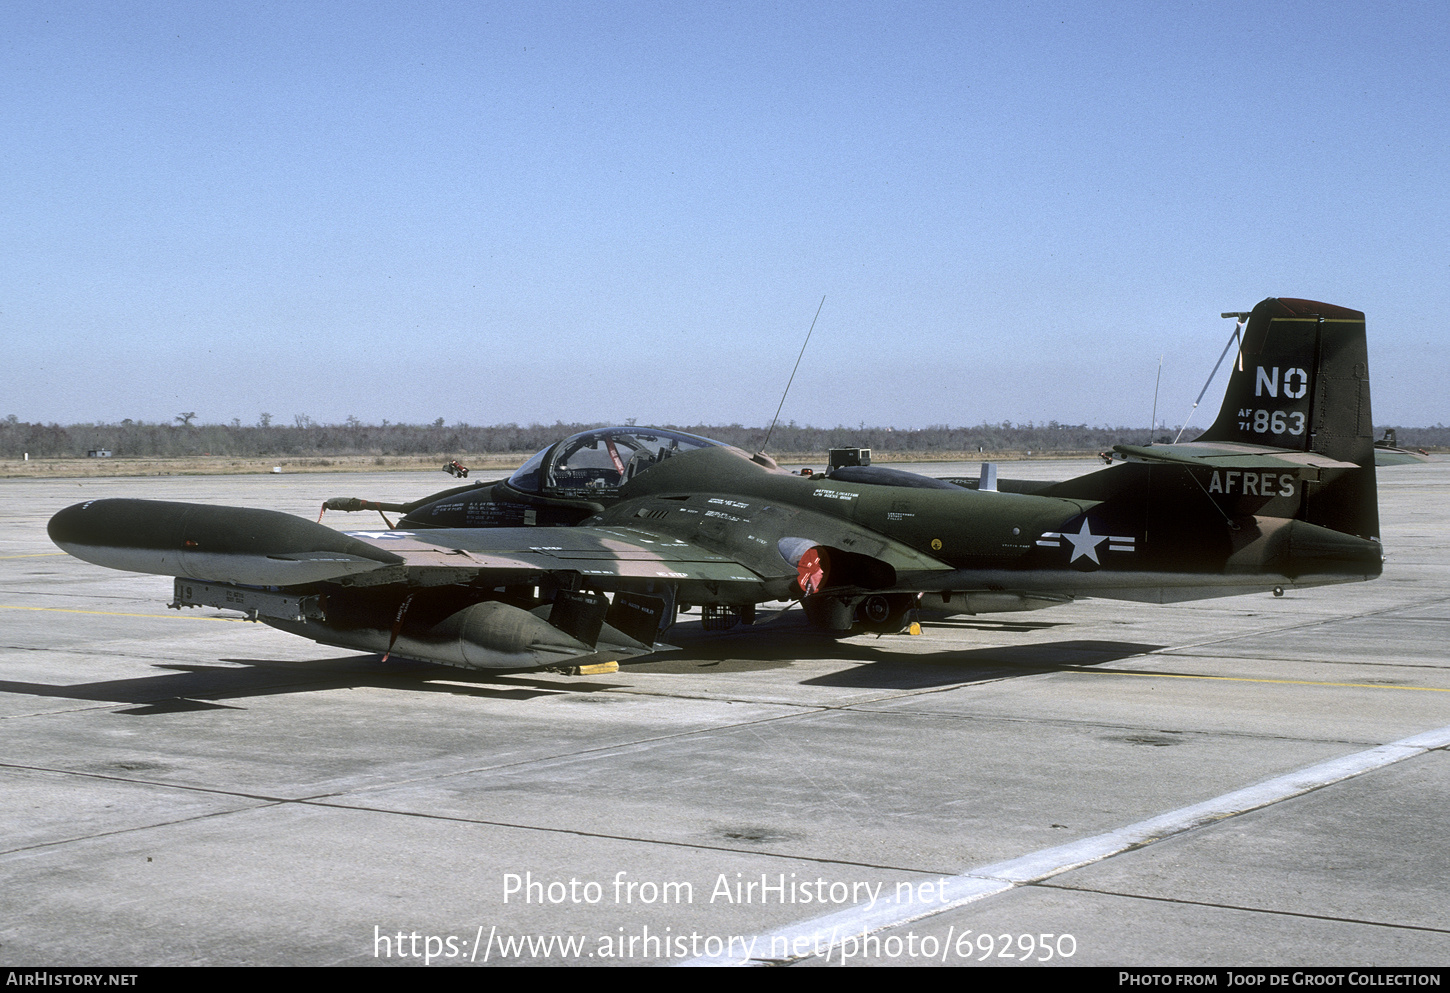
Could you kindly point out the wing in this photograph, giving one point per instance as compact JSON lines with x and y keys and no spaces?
{"x":431,"y":595}
{"x":618,"y":557}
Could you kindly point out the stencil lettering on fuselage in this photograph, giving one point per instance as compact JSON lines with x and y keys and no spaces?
{"x":1261,"y":484}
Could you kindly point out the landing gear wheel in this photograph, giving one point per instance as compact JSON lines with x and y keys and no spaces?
{"x":885,"y":613}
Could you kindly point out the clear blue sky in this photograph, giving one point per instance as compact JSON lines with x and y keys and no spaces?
{"x":539,"y":212}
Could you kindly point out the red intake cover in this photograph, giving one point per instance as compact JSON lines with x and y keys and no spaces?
{"x":812,"y":569}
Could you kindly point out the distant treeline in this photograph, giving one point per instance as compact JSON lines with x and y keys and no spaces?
{"x":138,"y":439}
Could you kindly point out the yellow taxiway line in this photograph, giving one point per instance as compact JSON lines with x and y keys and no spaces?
{"x":119,"y":613}
{"x":1251,"y":679}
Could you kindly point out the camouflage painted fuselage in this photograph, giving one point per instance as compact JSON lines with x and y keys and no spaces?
{"x":592,"y":547}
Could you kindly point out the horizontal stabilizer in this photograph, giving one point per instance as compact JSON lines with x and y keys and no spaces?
{"x":1229,"y":457}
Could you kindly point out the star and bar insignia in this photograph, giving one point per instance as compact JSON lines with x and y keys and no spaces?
{"x":1085,"y":544}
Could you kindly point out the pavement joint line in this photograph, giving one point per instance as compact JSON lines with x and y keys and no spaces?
{"x":1315,"y":622}
{"x":1067,"y":724}
{"x":29,"y":851}
{"x":320,"y":798}
{"x":1234,"y":906}
{"x":1042,"y":670}
{"x":800,"y":710}
{"x":546,"y":760}
{"x":978,"y":884}
{"x":633,"y":839}
{"x":1296,"y":661}
{"x":150,"y":659}
{"x":1251,"y":679}
{"x":80,"y":596}
{"x":804,"y":710}
{"x":884,"y":698}
{"x":1167,"y":651}
{"x":274,"y":688}
{"x":118,"y":613}
{"x":856,"y":803}
{"x":711,"y":698}
{"x":323,"y":801}
{"x":137,"y":781}
{"x":104,"y":705}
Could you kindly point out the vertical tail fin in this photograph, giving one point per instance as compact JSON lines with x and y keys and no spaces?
{"x":1301,"y":382}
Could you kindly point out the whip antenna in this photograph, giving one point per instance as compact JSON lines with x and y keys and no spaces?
{"x":1241,"y":318}
{"x":792,"y":378}
{"x":1153,"y":421}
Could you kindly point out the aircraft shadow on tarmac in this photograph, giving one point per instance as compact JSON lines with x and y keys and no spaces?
{"x":196,"y":687}
{"x":882,"y":665}
{"x":885,"y":664}
{"x":976,"y":665}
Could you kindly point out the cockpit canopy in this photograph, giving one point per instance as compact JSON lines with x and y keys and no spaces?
{"x":594,"y":464}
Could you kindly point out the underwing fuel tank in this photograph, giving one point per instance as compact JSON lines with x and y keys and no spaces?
{"x":220,"y":544}
{"x":488,"y":635}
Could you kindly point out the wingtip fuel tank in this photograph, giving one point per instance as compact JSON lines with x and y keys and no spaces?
{"x":221,"y":544}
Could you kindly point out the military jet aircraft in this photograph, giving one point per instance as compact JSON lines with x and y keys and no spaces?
{"x":589,"y":550}
{"x":1387,"y":451}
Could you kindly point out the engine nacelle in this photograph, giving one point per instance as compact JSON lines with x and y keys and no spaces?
{"x":821,"y":568}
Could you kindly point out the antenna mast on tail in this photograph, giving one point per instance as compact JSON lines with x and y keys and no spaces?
{"x":1241,"y":317}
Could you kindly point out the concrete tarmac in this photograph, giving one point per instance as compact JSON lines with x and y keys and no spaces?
{"x":187,"y":788}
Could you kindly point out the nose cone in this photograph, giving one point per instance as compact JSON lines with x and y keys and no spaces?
{"x":222,"y":544}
